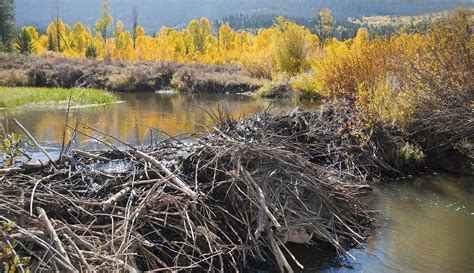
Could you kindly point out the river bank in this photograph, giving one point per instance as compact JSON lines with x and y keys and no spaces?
{"x":57,"y":72}
{"x":53,"y":97}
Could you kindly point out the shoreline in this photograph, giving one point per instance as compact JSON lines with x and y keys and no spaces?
{"x":118,"y":76}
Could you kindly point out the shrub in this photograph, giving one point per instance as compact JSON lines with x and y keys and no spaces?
{"x":13,"y":77}
{"x":305,"y":85}
{"x":214,"y":79}
{"x":345,"y":66}
{"x":259,"y":65}
{"x":411,"y":155}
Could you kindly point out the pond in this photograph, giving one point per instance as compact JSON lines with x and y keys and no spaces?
{"x":425,"y":224}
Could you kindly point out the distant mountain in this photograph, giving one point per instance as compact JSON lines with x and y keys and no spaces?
{"x":176,"y":13}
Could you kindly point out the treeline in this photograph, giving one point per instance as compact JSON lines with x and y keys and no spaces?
{"x":382,"y":73}
{"x":154,"y":14}
{"x":199,"y":42}
{"x":342,"y":29}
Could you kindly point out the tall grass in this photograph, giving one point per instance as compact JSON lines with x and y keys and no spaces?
{"x":19,"y":96}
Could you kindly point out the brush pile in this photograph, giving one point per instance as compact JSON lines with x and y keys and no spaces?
{"x":231,"y":199}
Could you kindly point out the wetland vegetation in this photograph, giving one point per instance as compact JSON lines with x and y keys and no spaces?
{"x":33,"y":96}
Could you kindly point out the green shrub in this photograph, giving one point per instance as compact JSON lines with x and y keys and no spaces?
{"x":411,"y":156}
{"x":91,"y":52}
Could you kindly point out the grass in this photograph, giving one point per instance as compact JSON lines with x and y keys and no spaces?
{"x":21,"y":96}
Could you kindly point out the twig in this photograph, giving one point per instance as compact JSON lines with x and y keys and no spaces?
{"x":34,"y":141}
{"x":178,"y":182}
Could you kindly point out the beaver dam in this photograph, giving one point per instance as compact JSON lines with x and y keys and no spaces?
{"x":221,"y":203}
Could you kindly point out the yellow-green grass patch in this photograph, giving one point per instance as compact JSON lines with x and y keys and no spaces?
{"x":21,"y":96}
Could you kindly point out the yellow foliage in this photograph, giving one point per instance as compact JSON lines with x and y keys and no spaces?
{"x":389,"y":78}
{"x":293,"y":45}
{"x":346,"y":66}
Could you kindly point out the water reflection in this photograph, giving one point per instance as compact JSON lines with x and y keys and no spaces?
{"x":424,"y":225}
{"x":174,"y":113}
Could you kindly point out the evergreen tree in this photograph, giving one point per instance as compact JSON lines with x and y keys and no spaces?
{"x":24,"y":42}
{"x":50,"y":42}
{"x":7,"y":24}
{"x":91,"y":52}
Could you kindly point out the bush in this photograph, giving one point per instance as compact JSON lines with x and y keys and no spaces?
{"x":214,"y":79}
{"x":345,"y":67}
{"x":14,"y":77}
{"x":275,"y":90}
{"x":411,"y":156}
{"x":306,"y":87}
{"x":258,"y":65}
{"x":52,"y":71}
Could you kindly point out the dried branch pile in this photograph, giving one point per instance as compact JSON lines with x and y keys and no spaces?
{"x":233,"y":198}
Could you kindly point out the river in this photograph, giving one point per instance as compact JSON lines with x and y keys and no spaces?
{"x":425,"y":224}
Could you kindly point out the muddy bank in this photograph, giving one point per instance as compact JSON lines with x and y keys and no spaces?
{"x":123,"y":76}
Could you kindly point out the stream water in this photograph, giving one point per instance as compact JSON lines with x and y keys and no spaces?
{"x":425,"y":224}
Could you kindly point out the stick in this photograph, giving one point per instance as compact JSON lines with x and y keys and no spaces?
{"x":54,"y":235}
{"x":10,"y":170}
{"x":178,"y":182}
{"x":33,"y":140}
{"x":79,"y":254}
{"x":42,"y":243}
{"x":280,"y":257}
{"x":115,"y":197}
{"x":34,"y":190}
{"x":76,"y":237}
{"x":91,"y":156}
{"x":261,"y":198}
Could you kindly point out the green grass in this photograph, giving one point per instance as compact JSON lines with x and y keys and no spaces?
{"x":20,"y":96}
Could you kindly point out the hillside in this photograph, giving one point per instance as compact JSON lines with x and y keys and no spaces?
{"x":176,"y":13}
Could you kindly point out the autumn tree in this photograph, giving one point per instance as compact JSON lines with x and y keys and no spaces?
{"x":361,"y":38}
{"x":226,"y":37}
{"x":199,"y":31}
{"x":58,"y":33}
{"x":7,"y":24}
{"x":291,"y":47}
{"x":105,"y":21}
{"x":324,"y":26}
{"x":123,"y":43}
{"x":82,"y":37}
